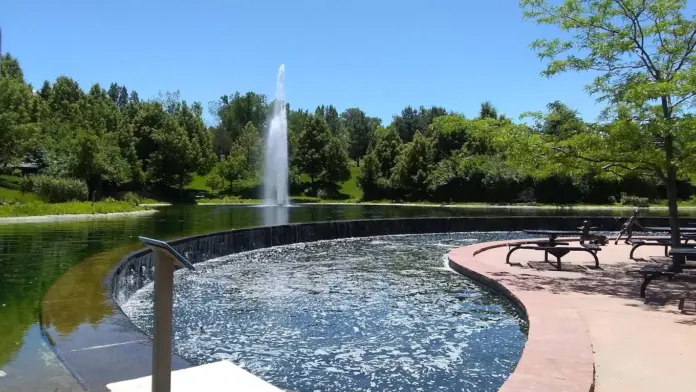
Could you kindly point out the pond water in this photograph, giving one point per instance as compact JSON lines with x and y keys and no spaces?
{"x":34,"y":255}
{"x":370,"y":314}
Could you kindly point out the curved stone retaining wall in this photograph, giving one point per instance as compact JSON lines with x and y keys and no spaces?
{"x":136,"y":269}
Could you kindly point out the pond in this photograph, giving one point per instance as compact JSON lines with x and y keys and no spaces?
{"x":34,"y":255}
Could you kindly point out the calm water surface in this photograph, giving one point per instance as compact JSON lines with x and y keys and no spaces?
{"x":34,"y":255}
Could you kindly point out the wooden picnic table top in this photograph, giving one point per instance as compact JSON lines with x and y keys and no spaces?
{"x":683,"y":251}
{"x":554,"y":232}
{"x":668,"y":229}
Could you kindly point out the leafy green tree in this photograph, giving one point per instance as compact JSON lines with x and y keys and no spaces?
{"x":413,"y":166}
{"x":450,"y":134}
{"x":244,"y":159}
{"x":488,"y":111}
{"x":378,"y":162}
{"x":407,"y":123}
{"x":428,"y":115}
{"x":15,"y":118}
{"x":359,"y":128}
{"x":233,"y":113}
{"x":296,"y":121}
{"x":118,"y":95}
{"x":561,"y":121}
{"x":643,"y":53}
{"x":172,"y":141}
{"x":215,"y":181}
{"x":11,"y":68}
{"x":66,"y":101}
{"x":309,"y":157}
{"x":330,"y":115}
{"x":96,"y":159}
{"x":413,"y":120}
{"x":174,"y":159}
{"x":336,"y":167}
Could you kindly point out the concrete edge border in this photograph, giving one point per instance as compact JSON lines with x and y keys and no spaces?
{"x":73,"y":217}
{"x":551,"y":360}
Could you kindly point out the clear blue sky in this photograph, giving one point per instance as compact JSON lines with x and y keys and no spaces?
{"x":379,"y":55}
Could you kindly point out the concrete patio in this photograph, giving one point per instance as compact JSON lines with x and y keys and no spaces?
{"x":591,"y":327}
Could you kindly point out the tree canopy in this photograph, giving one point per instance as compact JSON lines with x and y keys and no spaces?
{"x":643,"y":54}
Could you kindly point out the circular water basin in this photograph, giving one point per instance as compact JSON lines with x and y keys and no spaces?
{"x":369,"y":314}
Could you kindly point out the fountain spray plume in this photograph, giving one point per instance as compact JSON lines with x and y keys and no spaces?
{"x":275,"y":178}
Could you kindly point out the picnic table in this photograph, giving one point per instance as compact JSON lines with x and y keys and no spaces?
{"x":553,"y":247}
{"x":669,"y":229}
{"x":679,"y":255}
{"x":553,"y":234}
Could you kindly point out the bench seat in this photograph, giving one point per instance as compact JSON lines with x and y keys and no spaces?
{"x":556,"y":251}
{"x":651,"y":272}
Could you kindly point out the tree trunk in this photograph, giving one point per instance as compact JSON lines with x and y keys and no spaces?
{"x":671,"y":177}
{"x":671,"y":185}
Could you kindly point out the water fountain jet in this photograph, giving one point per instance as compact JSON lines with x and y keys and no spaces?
{"x":275,"y":176}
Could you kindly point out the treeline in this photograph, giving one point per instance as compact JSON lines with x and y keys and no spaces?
{"x":107,"y":138}
{"x":113,"y":141}
{"x":450,"y":158}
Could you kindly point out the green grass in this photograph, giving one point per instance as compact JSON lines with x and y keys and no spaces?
{"x":239,"y":200}
{"x":351,"y":187}
{"x":76,"y":207}
{"x":198,"y":183}
{"x":227,"y":200}
{"x":9,"y":191}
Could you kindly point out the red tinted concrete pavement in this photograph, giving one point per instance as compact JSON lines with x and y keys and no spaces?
{"x":591,"y":326}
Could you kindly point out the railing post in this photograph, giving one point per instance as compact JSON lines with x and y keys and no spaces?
{"x":165,"y":260}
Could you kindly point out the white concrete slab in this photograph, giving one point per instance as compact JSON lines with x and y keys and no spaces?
{"x":213,"y":377}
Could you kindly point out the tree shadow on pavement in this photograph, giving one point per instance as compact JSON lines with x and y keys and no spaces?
{"x":616,"y":280}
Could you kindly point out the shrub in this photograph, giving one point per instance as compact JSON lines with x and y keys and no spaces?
{"x":26,"y":184}
{"x":59,"y":190}
{"x":612,"y":200}
{"x":215,"y":182}
{"x":132,"y":198}
{"x":637,"y":201}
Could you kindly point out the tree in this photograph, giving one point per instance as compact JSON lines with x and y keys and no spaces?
{"x":359,"y":128}
{"x":233,"y":113}
{"x":450,"y":133}
{"x":174,"y":159}
{"x":96,"y":160}
{"x":413,"y":166}
{"x":407,"y":123}
{"x":15,"y":114}
{"x":336,"y":167}
{"x":244,"y":158}
{"x":11,"y":68}
{"x":309,"y":156}
{"x":215,"y":182}
{"x":561,"y":121}
{"x":378,"y":162}
{"x":488,"y":111}
{"x":330,"y":115}
{"x":643,"y":51}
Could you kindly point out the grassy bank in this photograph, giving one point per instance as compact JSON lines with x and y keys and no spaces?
{"x":40,"y":209}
